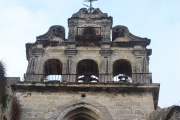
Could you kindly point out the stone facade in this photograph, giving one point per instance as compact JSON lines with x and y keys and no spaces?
{"x":109,"y":102}
{"x":87,"y":63}
{"x":97,"y":47}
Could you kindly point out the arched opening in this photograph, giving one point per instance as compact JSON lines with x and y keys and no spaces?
{"x":52,"y":70}
{"x":87,"y":71}
{"x":89,"y":31}
{"x":122,"y":71}
{"x":82,"y":109}
{"x":81,"y":113}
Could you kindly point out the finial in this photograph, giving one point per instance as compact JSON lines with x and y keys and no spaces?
{"x":90,"y":7}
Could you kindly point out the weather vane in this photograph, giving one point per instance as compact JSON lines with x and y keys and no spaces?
{"x":90,"y":7}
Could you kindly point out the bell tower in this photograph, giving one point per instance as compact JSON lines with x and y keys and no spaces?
{"x":90,"y":75}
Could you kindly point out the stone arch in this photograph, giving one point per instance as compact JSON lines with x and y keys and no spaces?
{"x":52,"y":70}
{"x":41,"y":62}
{"x":88,"y":57}
{"x":87,"y":67}
{"x":122,"y":66}
{"x":52,"y":66}
{"x":74,"y":109}
{"x":129,"y":59}
{"x":44,"y":59}
{"x":127,"y":68}
{"x":78,"y":59}
{"x":88,"y":61}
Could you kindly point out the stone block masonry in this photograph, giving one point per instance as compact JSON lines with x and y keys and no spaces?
{"x":117,"y":105}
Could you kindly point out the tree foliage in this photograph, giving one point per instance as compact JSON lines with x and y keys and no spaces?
{"x":2,"y":81}
{"x":4,"y":97}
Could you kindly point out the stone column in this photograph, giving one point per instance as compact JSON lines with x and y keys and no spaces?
{"x":105,"y":63}
{"x":140,"y":67}
{"x":36,"y":52}
{"x":70,"y":54}
{"x":72,"y":30}
{"x":105,"y":31}
{"x":32,"y":69}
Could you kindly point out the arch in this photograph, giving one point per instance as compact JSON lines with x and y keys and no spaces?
{"x":52,"y":67}
{"x":95,"y":58}
{"x":41,"y":62}
{"x":80,"y":57}
{"x":122,"y":66}
{"x":131,"y":59}
{"x":87,"y":66}
{"x":82,"y":109}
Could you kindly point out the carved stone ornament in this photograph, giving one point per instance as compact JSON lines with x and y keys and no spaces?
{"x":54,"y":31}
{"x":120,"y":31}
{"x":83,"y":13}
{"x":99,"y":12}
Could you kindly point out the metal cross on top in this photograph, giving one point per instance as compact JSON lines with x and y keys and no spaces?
{"x":90,"y":7}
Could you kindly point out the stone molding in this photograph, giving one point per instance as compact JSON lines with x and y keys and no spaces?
{"x":54,"y":31}
{"x":92,"y":105}
{"x":109,"y":87}
{"x":139,"y":53}
{"x":122,"y":31}
{"x":37,"y":51}
{"x":70,"y":52}
{"x":105,"y":53}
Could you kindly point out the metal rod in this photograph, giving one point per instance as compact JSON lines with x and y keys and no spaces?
{"x":82,"y":74}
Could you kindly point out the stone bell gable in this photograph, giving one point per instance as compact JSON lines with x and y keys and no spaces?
{"x":97,"y":21}
{"x":89,"y":39}
{"x":99,"y":72}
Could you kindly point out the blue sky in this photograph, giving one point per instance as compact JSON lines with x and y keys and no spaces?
{"x":159,"y":20}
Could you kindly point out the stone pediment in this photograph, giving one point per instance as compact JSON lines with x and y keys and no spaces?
{"x":55,"y":33}
{"x":121,"y":34}
{"x":83,"y":13}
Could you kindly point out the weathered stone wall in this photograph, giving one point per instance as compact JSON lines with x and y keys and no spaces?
{"x":121,"y":106}
{"x":92,"y":53}
{"x":7,"y":111}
